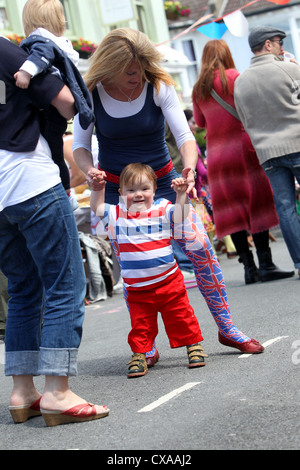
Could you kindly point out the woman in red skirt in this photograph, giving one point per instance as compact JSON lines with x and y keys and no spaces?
{"x":241,"y":194}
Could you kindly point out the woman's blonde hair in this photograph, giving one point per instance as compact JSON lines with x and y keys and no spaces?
{"x":117,"y":51}
{"x":48,"y":14}
{"x":216,"y":56}
{"x":135,"y":171}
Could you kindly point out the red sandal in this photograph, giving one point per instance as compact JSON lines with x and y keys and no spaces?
{"x":76,"y":414}
{"x":22,"y":413}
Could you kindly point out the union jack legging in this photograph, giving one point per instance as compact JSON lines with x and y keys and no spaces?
{"x":194,"y":242}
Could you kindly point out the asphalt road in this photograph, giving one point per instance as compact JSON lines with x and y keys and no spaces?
{"x":236,"y":402}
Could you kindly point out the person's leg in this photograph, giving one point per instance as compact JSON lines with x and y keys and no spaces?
{"x":282,"y":172}
{"x":261,"y":240}
{"x":240,"y":241}
{"x":152,"y":355}
{"x":195,"y":242}
{"x":193,"y":239}
{"x":268,"y":271}
{"x":180,"y":321}
{"x":24,"y":391}
{"x":58,"y":396}
{"x":143,"y":316}
{"x":24,"y":318}
{"x":211,"y":239}
{"x":39,"y":251}
{"x":52,"y":239}
{"x":178,"y":315}
{"x":3,"y":304}
{"x":230,"y":247}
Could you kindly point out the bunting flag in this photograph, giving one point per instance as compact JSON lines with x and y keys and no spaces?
{"x":203,"y":19}
{"x":213,"y":30}
{"x":280,"y":2}
{"x":235,"y":22}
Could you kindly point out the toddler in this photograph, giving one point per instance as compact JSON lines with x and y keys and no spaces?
{"x":140,"y":230}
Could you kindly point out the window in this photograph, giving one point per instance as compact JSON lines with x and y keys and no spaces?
{"x":140,"y":15}
{"x":189,"y":51}
{"x":4,"y":24}
{"x":66,"y":5}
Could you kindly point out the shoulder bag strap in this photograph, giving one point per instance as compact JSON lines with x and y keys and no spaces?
{"x":225,"y":105}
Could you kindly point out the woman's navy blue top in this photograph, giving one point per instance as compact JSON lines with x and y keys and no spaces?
{"x":137,"y":138}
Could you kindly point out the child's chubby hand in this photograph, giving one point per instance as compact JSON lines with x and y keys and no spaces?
{"x":96,"y":179}
{"x":22,"y":79}
{"x":179,"y":184}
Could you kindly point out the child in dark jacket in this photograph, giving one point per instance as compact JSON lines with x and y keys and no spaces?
{"x":44,"y":24}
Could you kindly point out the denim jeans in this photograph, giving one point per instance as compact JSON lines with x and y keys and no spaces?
{"x":3,"y":300}
{"x":282,"y":172}
{"x":40,"y":254}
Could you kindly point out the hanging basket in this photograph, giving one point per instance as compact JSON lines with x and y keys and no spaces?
{"x":171,"y":15}
{"x":84,"y":54}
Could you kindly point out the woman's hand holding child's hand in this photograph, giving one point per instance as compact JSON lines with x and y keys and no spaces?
{"x":96,"y":179}
{"x":179,"y":185}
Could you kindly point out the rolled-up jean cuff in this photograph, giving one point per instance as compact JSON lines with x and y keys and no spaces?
{"x":61,"y":362}
{"x":22,"y":362}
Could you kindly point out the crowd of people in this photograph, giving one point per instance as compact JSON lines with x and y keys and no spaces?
{"x":139,"y":197}
{"x":273,"y":128}
{"x":241,"y":195}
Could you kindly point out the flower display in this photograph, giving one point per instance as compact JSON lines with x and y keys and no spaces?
{"x":84,"y":47}
{"x":175,"y":9}
{"x":15,"y":38}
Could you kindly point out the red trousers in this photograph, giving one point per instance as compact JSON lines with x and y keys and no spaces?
{"x":171,"y":300}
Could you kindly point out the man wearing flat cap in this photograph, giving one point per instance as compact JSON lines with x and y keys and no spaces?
{"x":267,"y":99}
{"x":261,"y":34}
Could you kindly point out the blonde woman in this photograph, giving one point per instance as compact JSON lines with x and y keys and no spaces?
{"x":132,"y":97}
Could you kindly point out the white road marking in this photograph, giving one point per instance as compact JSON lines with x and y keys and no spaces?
{"x":266,"y":344}
{"x":168,"y":397}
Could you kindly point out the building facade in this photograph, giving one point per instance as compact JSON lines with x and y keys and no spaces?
{"x":261,"y":12}
{"x":93,"y":19}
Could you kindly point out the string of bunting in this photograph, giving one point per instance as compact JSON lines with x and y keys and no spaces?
{"x":215,"y":28}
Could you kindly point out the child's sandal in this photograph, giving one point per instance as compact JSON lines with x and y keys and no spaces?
{"x":137,"y":366}
{"x":196,"y":355}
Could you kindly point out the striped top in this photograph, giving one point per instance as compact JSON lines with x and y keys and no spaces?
{"x":143,"y":241}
